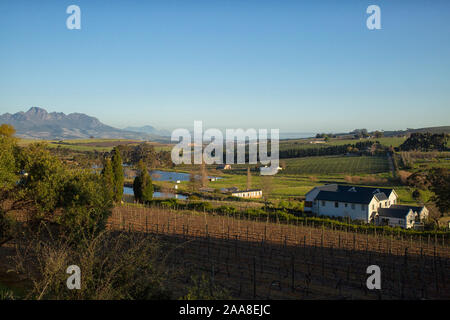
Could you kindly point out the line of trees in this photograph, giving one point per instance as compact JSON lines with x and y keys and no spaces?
{"x":325,"y":151}
{"x":146,"y":152}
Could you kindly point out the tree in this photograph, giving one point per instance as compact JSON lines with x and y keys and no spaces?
{"x":7,"y":163}
{"x":267,"y":188}
{"x":249,"y":179}
{"x":440,"y":186}
{"x":108,"y":179}
{"x":7,"y":130}
{"x":52,"y":187}
{"x":425,"y":142}
{"x":46,"y":176}
{"x":378,"y":134}
{"x":203,"y":174}
{"x":142,"y":184}
{"x":118,"y":174}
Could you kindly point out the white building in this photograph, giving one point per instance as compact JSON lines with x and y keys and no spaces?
{"x":402,"y":216}
{"x":249,"y":194}
{"x":363,"y":203}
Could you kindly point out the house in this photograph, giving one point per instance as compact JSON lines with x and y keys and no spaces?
{"x":402,"y":216}
{"x":248,"y":194}
{"x":372,"y":205}
{"x":224,"y":167}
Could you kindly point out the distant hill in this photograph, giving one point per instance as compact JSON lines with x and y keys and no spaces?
{"x":149,"y":130}
{"x":37,"y":123}
{"x":441,"y":129}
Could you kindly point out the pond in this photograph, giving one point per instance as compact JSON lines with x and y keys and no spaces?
{"x":128,"y":190}
{"x":159,"y":175}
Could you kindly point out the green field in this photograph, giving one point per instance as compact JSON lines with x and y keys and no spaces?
{"x":337,"y":165}
{"x":103,"y":145}
{"x":302,"y":174}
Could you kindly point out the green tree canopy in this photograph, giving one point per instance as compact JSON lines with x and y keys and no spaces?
{"x":142,"y":185}
{"x":7,"y":130}
{"x":108,"y":179}
{"x":117,"y":168}
{"x":440,"y":186}
{"x":8,"y":168}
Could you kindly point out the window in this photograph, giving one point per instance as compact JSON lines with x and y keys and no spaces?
{"x":346,"y":205}
{"x":336,"y":204}
{"x":389,"y":203}
{"x":353,"y":206}
{"x":363,"y":207}
{"x":323,"y":203}
{"x":373,"y":207}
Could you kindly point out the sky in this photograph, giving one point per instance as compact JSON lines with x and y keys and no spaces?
{"x":299,"y":66}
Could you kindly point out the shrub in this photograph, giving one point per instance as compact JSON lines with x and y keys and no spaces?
{"x":114,"y":266}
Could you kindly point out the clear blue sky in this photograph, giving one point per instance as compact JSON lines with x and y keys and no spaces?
{"x":303,"y":66}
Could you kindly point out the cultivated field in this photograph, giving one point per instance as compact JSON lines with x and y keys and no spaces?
{"x":336,"y":165}
{"x":276,"y":261}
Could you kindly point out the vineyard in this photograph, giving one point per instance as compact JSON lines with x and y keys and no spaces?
{"x":336,"y":164}
{"x":263,"y":260}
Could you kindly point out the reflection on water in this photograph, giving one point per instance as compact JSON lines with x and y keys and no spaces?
{"x":159,"y":175}
{"x":128,"y":190}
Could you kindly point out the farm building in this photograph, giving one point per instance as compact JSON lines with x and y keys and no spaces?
{"x":402,"y":216}
{"x":249,"y":194}
{"x":376,"y":205}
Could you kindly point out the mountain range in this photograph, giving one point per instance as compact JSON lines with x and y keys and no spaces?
{"x":37,"y":123}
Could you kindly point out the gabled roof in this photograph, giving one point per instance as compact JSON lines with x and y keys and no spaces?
{"x":327,"y":187}
{"x":351,"y":197}
{"x":386,"y":191}
{"x":399,"y":213}
{"x":352,"y":194}
{"x":381,"y":196}
{"x":417,"y":209}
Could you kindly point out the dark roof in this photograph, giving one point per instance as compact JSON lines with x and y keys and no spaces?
{"x":399,"y":213}
{"x":413,"y":208}
{"x":352,"y":194}
{"x":371,"y":190}
{"x":351,"y":197}
{"x":381,"y":196}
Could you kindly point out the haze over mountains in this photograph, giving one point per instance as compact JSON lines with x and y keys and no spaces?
{"x":149,"y":130}
{"x":37,"y":123}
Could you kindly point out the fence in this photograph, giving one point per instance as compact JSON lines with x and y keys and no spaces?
{"x":255,"y":259}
